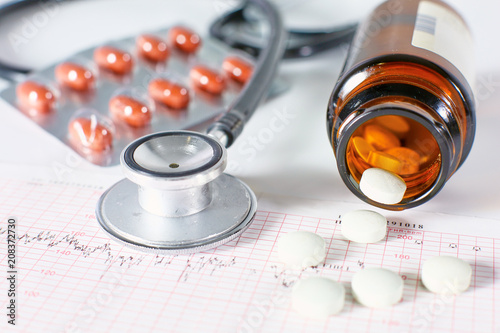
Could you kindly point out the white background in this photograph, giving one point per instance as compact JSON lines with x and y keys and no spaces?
{"x":297,"y":161}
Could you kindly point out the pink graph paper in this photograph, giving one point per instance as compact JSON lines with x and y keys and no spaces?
{"x":73,"y":278}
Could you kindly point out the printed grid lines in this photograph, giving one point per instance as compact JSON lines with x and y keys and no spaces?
{"x":220,"y":290}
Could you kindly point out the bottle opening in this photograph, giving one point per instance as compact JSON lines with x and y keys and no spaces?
{"x":397,"y":144}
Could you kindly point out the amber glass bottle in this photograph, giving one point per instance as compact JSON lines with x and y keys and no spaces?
{"x":404,"y":100}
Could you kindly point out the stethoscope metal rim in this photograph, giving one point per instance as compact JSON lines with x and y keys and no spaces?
{"x":119,"y":220}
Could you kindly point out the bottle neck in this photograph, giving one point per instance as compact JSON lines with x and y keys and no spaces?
{"x":414,"y":84}
{"x":417,"y":91}
{"x":423,"y":185}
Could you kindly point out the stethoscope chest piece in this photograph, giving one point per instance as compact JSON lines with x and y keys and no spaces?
{"x":176,"y":198}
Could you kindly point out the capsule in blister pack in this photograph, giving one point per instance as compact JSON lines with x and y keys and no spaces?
{"x":169,"y":92}
{"x":184,"y":39}
{"x":36,"y":97}
{"x":90,"y":131}
{"x":152,"y":48}
{"x":132,"y":107}
{"x":102,"y":98}
{"x":207,"y":80}
{"x":113,"y":59}
{"x":76,"y":75}
{"x":237,"y":68}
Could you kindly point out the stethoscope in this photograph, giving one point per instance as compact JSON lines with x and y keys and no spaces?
{"x":176,"y":197}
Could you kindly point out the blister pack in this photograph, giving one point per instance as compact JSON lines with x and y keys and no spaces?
{"x":102,"y":98}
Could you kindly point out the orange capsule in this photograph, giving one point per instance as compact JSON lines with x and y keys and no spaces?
{"x":237,"y":69}
{"x":385,"y":161}
{"x":184,"y":39}
{"x":409,"y":158}
{"x":130,"y":110}
{"x":207,"y":80}
{"x":89,"y":134}
{"x":381,"y":138}
{"x":113,"y":60}
{"x":169,"y":93}
{"x":152,"y":48}
{"x":35,"y":97}
{"x":74,"y":76}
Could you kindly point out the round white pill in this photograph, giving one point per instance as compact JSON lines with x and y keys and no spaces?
{"x":301,"y":249}
{"x":364,"y":226}
{"x":318,"y":297}
{"x":382,"y":186}
{"x":377,"y":287}
{"x":446,"y":275}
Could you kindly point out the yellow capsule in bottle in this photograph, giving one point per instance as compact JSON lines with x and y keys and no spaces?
{"x":409,"y":158}
{"x":381,"y":160}
{"x":396,"y":124}
{"x":381,"y":138}
{"x":362,"y":147}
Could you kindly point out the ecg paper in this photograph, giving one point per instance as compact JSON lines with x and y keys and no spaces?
{"x":73,"y":278}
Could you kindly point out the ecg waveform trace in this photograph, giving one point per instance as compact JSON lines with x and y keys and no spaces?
{"x":73,"y":278}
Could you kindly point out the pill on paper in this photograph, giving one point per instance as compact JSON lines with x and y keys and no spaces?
{"x":184,"y":39}
{"x":364,"y":226}
{"x":35,"y":97}
{"x":113,"y":60}
{"x":74,"y":76}
{"x":207,"y":79}
{"x":152,"y":48}
{"x":377,"y":287}
{"x":237,"y":69}
{"x":87,"y":133}
{"x":318,"y":297}
{"x":167,"y":92}
{"x":382,"y":186}
{"x":301,"y":249}
{"x":380,"y":137}
{"x":130,"y":110}
{"x":446,"y":275}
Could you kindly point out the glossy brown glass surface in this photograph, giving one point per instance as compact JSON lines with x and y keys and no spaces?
{"x":396,"y":103}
